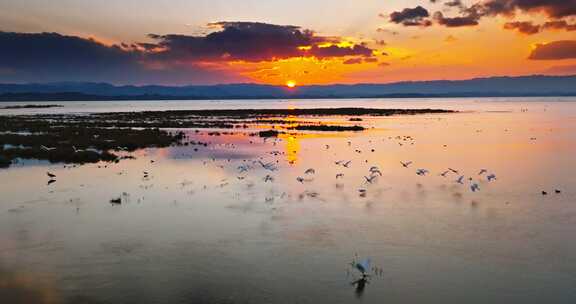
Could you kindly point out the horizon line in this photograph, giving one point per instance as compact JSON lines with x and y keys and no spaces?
{"x":279,"y":85}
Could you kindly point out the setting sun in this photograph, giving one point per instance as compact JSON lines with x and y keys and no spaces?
{"x":291,"y":83}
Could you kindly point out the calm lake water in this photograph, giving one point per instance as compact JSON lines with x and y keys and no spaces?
{"x":198,"y":230}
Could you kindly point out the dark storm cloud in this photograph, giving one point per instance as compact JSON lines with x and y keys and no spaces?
{"x":469,"y":20}
{"x":45,"y":57}
{"x":353,"y":61}
{"x":565,"y":49}
{"x":471,"y":15}
{"x":524,"y":27}
{"x":552,"y":8}
{"x":337,"y":51}
{"x":166,"y":59}
{"x":559,"y":25}
{"x":529,"y":28}
{"x":454,"y":3}
{"x":250,"y":41}
{"x":24,"y":50}
{"x":411,"y":17}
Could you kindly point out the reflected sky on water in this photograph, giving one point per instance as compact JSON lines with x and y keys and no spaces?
{"x":198,"y":230}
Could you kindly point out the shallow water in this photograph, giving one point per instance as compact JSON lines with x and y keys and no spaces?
{"x":193,"y":232}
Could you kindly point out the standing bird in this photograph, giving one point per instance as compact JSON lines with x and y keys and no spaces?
{"x":310,"y":171}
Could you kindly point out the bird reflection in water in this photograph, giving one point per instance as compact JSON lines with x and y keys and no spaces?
{"x":360,"y":285}
{"x":363,"y":267}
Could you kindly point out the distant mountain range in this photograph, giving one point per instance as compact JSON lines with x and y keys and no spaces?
{"x":536,"y":85}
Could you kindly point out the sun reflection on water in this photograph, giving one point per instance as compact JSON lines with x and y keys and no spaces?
{"x":292,"y":147}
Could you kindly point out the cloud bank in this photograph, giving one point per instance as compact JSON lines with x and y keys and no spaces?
{"x":169,"y":58}
{"x":556,"y":10}
{"x":565,"y":49}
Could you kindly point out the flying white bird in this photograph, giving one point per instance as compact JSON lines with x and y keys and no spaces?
{"x":268,"y":166}
{"x":375,"y":170}
{"x":460,"y":179}
{"x":243,"y":168}
{"x":310,"y":171}
{"x":483,"y":171}
{"x":474,"y":187}
{"x":371,"y":179}
{"x":363,"y":266}
{"x":406,"y":164}
{"x":491,"y":177}
{"x":422,"y":172}
{"x":343,"y":163}
{"x":46,"y":148}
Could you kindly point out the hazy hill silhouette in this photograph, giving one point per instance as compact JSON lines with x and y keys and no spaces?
{"x":479,"y":87}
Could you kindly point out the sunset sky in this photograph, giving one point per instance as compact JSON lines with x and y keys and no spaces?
{"x":271,"y":41}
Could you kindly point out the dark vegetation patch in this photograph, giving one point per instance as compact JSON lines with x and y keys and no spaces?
{"x":4,"y":162}
{"x":59,"y":155}
{"x":68,"y":138}
{"x":268,"y":133}
{"x":194,"y":119}
{"x":83,"y":138}
{"x":50,"y":140}
{"x":31,"y":106}
{"x":251,"y":113}
{"x":327,"y":128}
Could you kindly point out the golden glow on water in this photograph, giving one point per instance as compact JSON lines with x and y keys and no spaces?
{"x":27,"y":288}
{"x":291,"y":148}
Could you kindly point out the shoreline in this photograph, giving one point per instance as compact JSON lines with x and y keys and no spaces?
{"x":96,"y":98}
{"x":96,"y":137}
